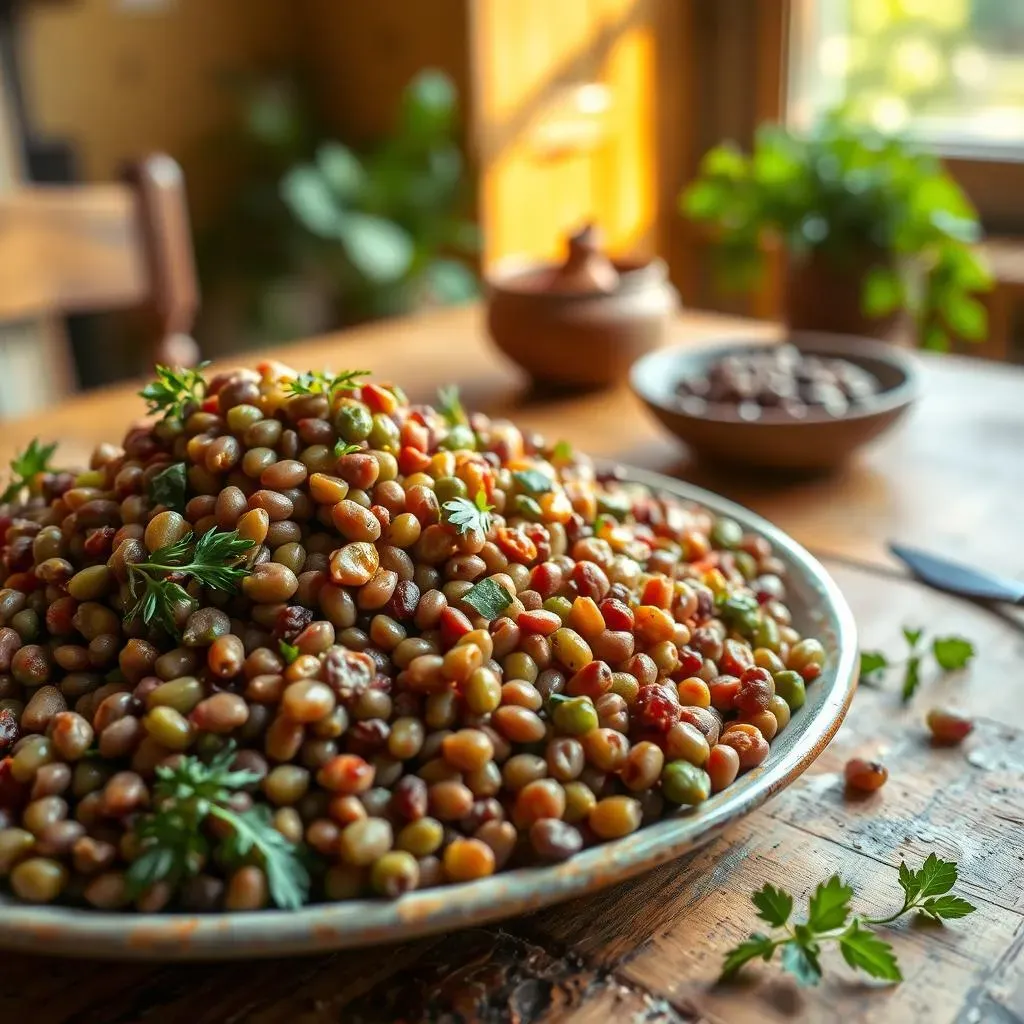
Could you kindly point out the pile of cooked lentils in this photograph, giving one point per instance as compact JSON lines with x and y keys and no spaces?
{"x":297,"y":639}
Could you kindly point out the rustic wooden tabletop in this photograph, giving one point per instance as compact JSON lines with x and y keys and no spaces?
{"x":950,"y":478}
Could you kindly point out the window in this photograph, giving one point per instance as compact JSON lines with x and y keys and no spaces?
{"x":949,"y":72}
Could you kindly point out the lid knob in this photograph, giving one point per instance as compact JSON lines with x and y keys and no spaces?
{"x":586,"y":267}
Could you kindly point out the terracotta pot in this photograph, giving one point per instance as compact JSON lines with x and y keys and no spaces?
{"x":822,"y":294}
{"x":585,"y":322}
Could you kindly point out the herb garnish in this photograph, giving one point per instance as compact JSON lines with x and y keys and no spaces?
{"x":828,"y":920}
{"x":532,"y":481}
{"x":342,"y":447}
{"x":168,"y":487}
{"x":176,"y":391}
{"x":321,"y":382}
{"x":288,"y":651}
{"x":26,"y":466}
{"x":950,"y":653}
{"x":449,"y":405}
{"x":467,"y":516}
{"x":488,"y":598}
{"x":175,"y":847}
{"x":212,"y":561}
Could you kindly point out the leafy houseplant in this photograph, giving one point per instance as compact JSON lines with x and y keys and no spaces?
{"x":359,"y":235}
{"x":872,"y":229}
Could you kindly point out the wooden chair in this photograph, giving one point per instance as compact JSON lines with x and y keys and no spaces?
{"x":89,"y":248}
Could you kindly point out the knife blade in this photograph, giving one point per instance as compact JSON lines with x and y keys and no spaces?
{"x":956,"y":578}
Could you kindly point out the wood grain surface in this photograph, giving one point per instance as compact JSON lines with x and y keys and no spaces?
{"x":649,"y":950}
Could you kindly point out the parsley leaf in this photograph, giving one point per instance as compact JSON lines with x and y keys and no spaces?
{"x":212,"y":560}
{"x":911,"y":677}
{"x":173,"y":844}
{"x":948,"y":907}
{"x":288,"y":651}
{"x":864,"y":950}
{"x":749,"y":949}
{"x":176,"y":391}
{"x":802,"y":962}
{"x":872,"y":665}
{"x":343,"y":448}
{"x":168,"y":487}
{"x":322,"y":382}
{"x":935,"y":876}
{"x":830,"y":905}
{"x":449,"y":405}
{"x":952,"y":652}
{"x":25,"y":466}
{"x":467,"y":516}
{"x":912,"y":636}
{"x":532,"y":481}
{"x":488,"y":598}
{"x":773,"y":905}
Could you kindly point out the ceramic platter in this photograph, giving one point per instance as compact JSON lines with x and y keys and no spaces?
{"x":819,"y":609}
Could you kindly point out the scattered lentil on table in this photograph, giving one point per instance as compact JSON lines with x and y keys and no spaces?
{"x":425,"y":646}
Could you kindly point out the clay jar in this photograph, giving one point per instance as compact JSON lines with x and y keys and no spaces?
{"x":584,"y":323}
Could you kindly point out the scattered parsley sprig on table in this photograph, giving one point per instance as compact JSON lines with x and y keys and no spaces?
{"x":926,"y":891}
{"x":25,"y":466}
{"x":212,"y":560}
{"x":322,"y":382}
{"x":174,"y":846}
{"x":950,"y":653}
{"x":467,"y":516}
{"x":175,"y":392}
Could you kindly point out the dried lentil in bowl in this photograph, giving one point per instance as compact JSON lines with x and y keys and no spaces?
{"x":301,"y":640}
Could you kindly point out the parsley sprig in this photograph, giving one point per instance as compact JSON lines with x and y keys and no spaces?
{"x":467,"y":516}
{"x":926,"y":891}
{"x":212,"y":560}
{"x":25,"y":466}
{"x":950,"y":653}
{"x":174,"y":845}
{"x":323,"y":382}
{"x":449,"y":405}
{"x":175,"y":392}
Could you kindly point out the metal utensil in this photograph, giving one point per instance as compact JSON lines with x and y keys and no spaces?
{"x":956,"y":578}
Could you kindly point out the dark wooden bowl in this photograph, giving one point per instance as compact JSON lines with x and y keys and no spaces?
{"x":815,"y":444}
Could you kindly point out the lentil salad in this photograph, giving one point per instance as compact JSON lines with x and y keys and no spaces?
{"x":387,"y":646}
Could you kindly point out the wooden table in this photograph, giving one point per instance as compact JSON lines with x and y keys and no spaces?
{"x":950,"y":477}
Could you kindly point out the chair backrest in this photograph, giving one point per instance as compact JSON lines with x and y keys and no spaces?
{"x":87,"y":248}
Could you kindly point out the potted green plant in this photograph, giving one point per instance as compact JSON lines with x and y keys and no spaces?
{"x":319,"y":234}
{"x":874,"y":230}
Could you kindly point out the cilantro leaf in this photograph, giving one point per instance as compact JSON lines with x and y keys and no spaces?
{"x":467,"y":516}
{"x":911,"y":677}
{"x":912,"y":636}
{"x":802,"y":962}
{"x":288,"y":651}
{"x":488,"y":598}
{"x":449,"y":405}
{"x":25,"y":466}
{"x":952,"y":652}
{"x":749,"y":949}
{"x":168,"y":487}
{"x":872,"y":665}
{"x":532,"y":481}
{"x":830,"y":905}
{"x":947,"y":907}
{"x":865,"y":951}
{"x":773,"y":905}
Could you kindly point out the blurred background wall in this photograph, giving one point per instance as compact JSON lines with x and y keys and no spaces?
{"x":567,"y":111}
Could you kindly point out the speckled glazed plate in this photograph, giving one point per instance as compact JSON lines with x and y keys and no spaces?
{"x":818,"y":609}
